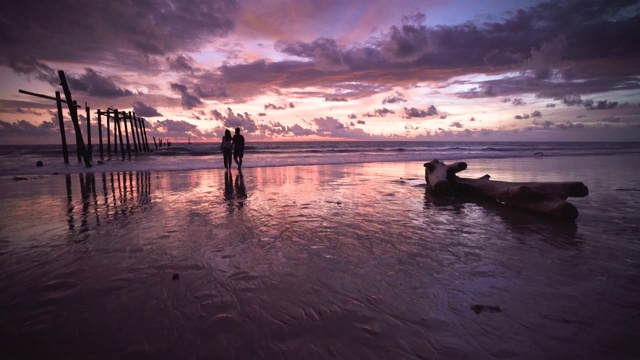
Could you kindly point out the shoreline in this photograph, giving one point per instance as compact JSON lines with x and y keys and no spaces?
{"x":99,"y":168}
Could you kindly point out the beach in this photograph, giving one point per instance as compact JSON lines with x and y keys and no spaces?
{"x":349,"y":261}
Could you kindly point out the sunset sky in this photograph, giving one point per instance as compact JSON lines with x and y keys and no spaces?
{"x":329,"y":69}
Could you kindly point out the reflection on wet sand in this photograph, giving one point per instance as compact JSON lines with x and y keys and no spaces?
{"x":526,"y":225}
{"x":308,"y":262}
{"x":235,"y":193}
{"x":121,"y":194}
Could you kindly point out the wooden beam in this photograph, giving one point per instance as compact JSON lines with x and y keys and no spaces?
{"x":42,"y":96}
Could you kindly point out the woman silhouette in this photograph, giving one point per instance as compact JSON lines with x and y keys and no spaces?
{"x":226,"y":147}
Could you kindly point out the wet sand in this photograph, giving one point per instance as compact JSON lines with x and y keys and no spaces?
{"x":340,"y":261}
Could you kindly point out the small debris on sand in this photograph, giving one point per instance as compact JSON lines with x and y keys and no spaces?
{"x":488,"y":308}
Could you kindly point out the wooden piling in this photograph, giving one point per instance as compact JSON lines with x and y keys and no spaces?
{"x":117,"y":120}
{"x":89,"y":147}
{"x":133,"y":133}
{"x":115,"y":132}
{"x":126,"y":133}
{"x":73,"y":110}
{"x":78,"y":140}
{"x":78,"y":137}
{"x":100,"y":134}
{"x":63,"y":136}
{"x":135,"y":122}
{"x":154,"y":142}
{"x":108,"y":136}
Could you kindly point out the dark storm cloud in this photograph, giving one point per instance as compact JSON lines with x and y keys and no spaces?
{"x":545,"y":125}
{"x":298,"y":130}
{"x":189,"y":101}
{"x":590,"y":104}
{"x":11,"y":106}
{"x":94,"y":84}
{"x":483,"y":90}
{"x":335,"y":99}
{"x":113,"y":31}
{"x":233,"y":120}
{"x":379,"y":113}
{"x":273,"y":128}
{"x":407,"y":42}
{"x":419,"y":113}
{"x":518,"y":102}
{"x":172,"y":128}
{"x":28,"y":111}
{"x":209,"y":85}
{"x":276,"y":107}
{"x":142,"y":109}
{"x":25,"y":129}
{"x":536,"y":38}
{"x":393,"y":99}
{"x":331,"y":127}
{"x":324,"y":52}
{"x":30,"y":66}
{"x":600,"y":105}
{"x":181,"y":63}
{"x":570,"y":126}
{"x":602,"y":77}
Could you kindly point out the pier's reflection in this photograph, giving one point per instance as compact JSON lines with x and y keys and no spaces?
{"x":118,"y":195}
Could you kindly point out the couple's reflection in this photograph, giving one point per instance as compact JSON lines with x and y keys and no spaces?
{"x":234,"y":192}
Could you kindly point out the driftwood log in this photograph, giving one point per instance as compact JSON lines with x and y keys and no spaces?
{"x":547,"y":198}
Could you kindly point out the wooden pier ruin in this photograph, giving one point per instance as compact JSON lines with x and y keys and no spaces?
{"x":117,"y":122}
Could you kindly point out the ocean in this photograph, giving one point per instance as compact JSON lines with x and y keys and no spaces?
{"x":21,"y":159}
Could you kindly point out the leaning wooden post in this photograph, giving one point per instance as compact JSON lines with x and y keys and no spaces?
{"x":65,"y":151}
{"x":100,"y":134}
{"x":126,"y":133}
{"x":73,"y":110}
{"x":117,"y":120}
{"x":154,"y":142}
{"x":133,"y":133}
{"x":89,"y":147}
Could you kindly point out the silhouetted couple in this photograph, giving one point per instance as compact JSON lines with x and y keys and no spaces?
{"x":232,"y":145}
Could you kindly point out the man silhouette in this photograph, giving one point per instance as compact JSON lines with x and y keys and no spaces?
{"x":238,"y":148}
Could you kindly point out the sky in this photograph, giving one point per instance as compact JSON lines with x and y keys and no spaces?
{"x":335,"y":70}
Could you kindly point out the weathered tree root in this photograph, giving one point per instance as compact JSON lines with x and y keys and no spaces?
{"x":542,"y":197}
